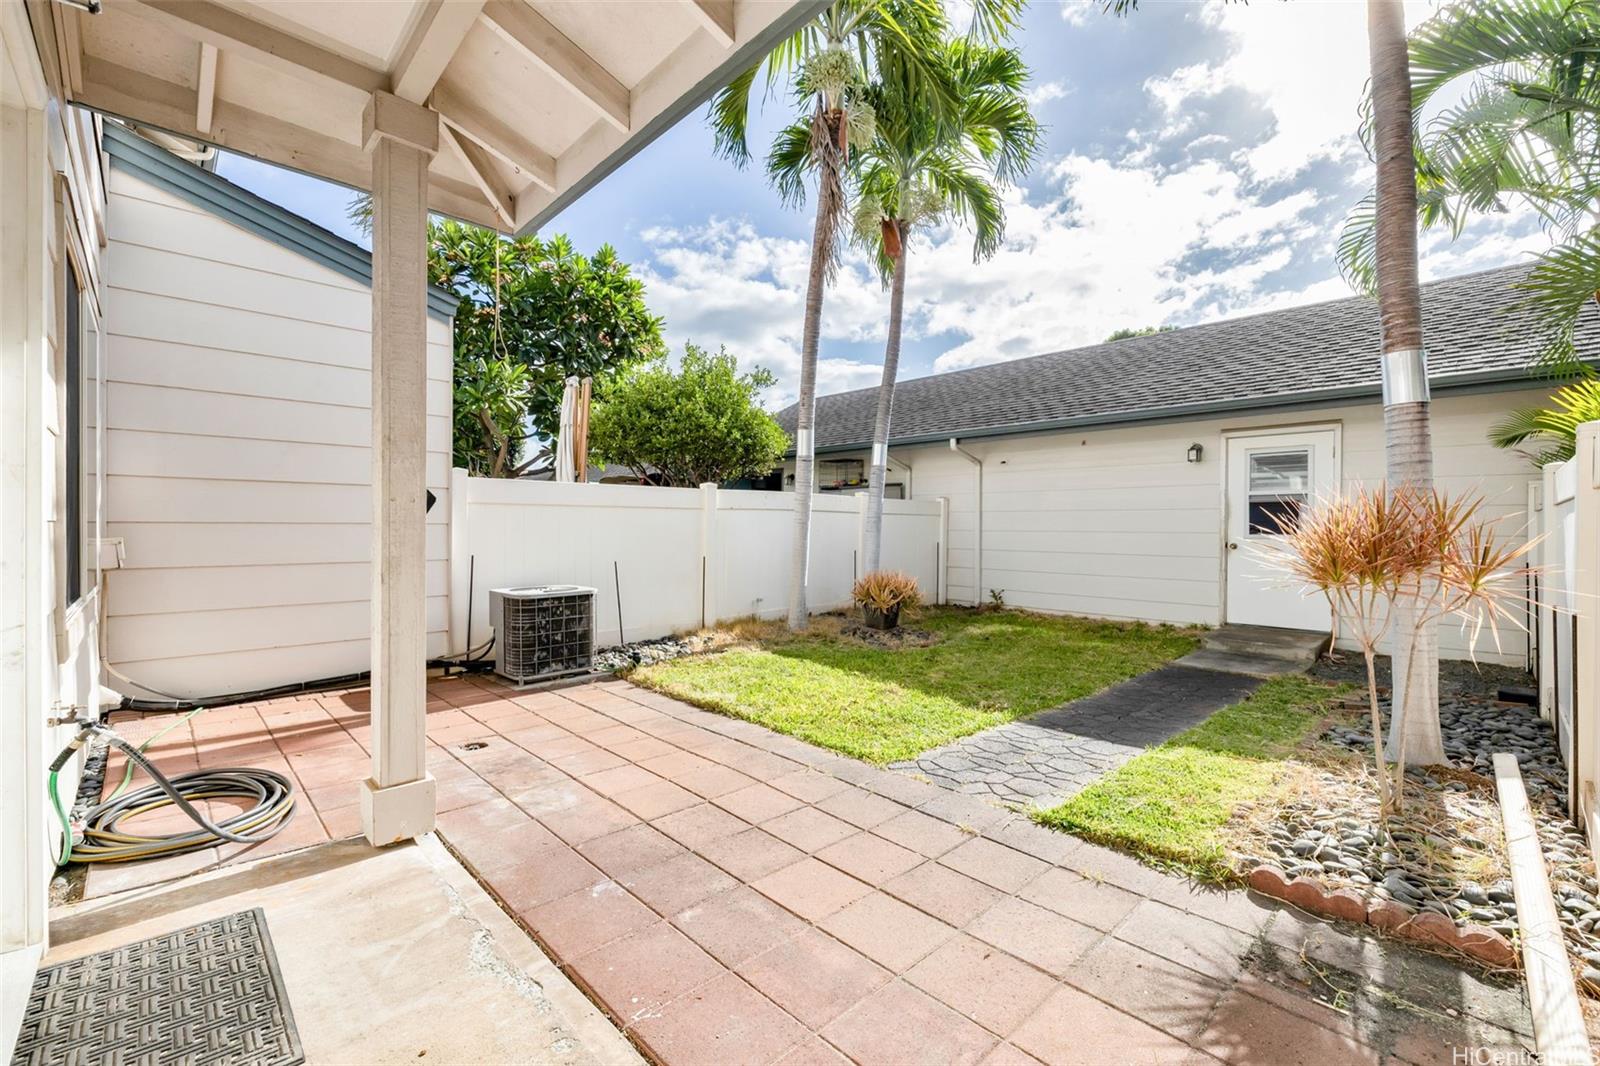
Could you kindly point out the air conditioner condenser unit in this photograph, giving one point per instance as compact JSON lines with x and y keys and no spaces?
{"x":542,"y":631}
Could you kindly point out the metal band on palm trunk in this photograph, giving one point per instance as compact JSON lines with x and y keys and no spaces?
{"x":1405,"y":376}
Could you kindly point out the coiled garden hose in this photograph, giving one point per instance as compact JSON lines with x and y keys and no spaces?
{"x":104,"y":841}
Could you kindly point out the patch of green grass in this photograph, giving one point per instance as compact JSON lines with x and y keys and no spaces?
{"x":1169,"y":805}
{"x":883,"y":705}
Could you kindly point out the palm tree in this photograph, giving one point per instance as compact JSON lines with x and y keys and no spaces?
{"x":828,"y":61}
{"x":1552,"y":430}
{"x":923,"y":167}
{"x":1408,"y":446}
{"x":1526,"y":129}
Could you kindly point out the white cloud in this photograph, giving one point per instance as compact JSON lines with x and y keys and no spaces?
{"x":1105,"y":249}
{"x":1044,"y":92}
{"x":1078,"y":12}
{"x":1226,"y":225}
{"x":724,"y":283}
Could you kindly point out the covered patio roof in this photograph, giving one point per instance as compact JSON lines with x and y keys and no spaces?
{"x":538,"y":99}
{"x":499,"y":112}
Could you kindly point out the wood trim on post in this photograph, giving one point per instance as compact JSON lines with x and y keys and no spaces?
{"x":398,"y":800}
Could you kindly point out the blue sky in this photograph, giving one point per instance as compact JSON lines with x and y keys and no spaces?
{"x":1198,"y":163}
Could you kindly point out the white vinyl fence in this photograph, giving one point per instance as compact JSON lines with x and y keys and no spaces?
{"x":1567,"y":515}
{"x":667,"y":560}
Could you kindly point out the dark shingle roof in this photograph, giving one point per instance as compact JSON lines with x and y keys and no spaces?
{"x":1476,"y":333}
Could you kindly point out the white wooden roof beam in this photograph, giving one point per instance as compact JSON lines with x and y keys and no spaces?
{"x":716,"y":18}
{"x":481,"y":168}
{"x":206,"y":87}
{"x":555,"y":53}
{"x":167,"y":106}
{"x":494,"y":135}
{"x":230,"y":31}
{"x":443,"y":26}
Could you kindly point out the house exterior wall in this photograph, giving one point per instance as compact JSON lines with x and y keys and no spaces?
{"x":238,"y":454}
{"x":1116,"y":523}
{"x":51,"y":215}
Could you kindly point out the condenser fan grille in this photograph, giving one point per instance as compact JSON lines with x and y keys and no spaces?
{"x":542,"y":631}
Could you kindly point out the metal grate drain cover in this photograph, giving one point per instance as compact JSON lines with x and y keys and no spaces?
{"x":208,"y":994}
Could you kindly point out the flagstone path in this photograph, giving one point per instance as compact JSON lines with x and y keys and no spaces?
{"x":1043,"y":759}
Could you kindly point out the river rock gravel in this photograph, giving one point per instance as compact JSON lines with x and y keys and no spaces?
{"x":1444,"y":852}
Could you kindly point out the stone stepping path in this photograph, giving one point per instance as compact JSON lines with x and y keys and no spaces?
{"x":1044,"y":759}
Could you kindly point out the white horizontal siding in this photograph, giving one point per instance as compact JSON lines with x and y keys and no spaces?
{"x":238,"y":460}
{"x":1116,"y":523}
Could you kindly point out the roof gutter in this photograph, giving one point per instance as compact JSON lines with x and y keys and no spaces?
{"x":977,"y":524}
{"x":1478,"y":381}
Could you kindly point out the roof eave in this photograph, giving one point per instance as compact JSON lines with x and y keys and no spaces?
{"x":1478,"y":381}
{"x":222,"y":198}
{"x":739,"y":60}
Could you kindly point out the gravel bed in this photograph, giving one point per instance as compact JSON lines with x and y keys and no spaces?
{"x":644,"y":652}
{"x":1445,"y":851}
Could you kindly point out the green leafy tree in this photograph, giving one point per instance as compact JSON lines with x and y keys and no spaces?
{"x":1143,"y":331}
{"x":924,"y":166}
{"x":545,"y":308}
{"x":530,"y":314}
{"x":826,"y":62}
{"x":701,"y":421}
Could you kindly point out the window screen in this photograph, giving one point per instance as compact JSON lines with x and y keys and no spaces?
{"x":1280,"y":485}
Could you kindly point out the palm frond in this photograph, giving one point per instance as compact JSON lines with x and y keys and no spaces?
{"x":1553,"y":428}
{"x":1560,"y":287}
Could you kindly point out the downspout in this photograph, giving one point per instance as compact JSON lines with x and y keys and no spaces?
{"x":977,"y":529}
{"x":903,"y":465}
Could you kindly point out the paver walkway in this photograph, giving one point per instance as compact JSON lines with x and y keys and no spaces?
{"x":732,"y":896}
{"x":1047,"y":757}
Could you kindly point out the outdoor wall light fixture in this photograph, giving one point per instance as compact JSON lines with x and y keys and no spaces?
{"x":1195,"y":452}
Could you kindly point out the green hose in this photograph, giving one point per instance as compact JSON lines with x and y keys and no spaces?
{"x":66,"y":826}
{"x":127,"y":779}
{"x":105,"y":841}
{"x":127,"y":772}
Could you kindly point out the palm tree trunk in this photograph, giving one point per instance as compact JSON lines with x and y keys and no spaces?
{"x":1407,"y":435}
{"x":873,"y":534}
{"x":805,"y":447}
{"x":826,"y":127}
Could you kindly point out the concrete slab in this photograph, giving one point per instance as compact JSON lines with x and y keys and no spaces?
{"x":388,"y":956}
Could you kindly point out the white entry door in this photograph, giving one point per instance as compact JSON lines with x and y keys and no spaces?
{"x":1270,"y":476}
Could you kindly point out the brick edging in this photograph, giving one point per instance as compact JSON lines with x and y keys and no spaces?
{"x":1477,"y":942}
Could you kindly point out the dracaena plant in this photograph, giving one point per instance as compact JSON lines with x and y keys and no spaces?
{"x":1368,"y":549}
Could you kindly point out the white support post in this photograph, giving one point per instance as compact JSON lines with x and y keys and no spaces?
{"x":862,"y":501}
{"x":461,"y":570}
{"x":398,"y":800}
{"x":1586,"y":648}
{"x":943,"y":578}
{"x":710,"y":554}
{"x":1549,"y":561}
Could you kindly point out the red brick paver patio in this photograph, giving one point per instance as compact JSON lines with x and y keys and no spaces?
{"x":731,"y":895}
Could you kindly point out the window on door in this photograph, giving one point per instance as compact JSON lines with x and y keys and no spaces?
{"x":1280,"y":487}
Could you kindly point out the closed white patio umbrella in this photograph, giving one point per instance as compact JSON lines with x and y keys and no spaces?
{"x":566,"y":463}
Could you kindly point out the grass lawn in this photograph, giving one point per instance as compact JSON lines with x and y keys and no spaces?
{"x":1171,"y":803}
{"x":882,"y":705}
